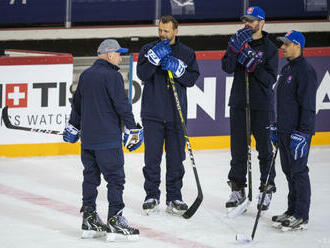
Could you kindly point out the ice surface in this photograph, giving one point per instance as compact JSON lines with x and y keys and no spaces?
{"x":40,"y":198}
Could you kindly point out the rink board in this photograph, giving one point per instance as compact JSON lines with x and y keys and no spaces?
{"x":208,"y":111}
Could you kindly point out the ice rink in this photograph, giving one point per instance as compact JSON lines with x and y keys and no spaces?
{"x":40,"y":198}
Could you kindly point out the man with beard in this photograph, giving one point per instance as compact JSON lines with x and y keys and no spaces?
{"x":250,"y":51}
{"x":159,"y":113}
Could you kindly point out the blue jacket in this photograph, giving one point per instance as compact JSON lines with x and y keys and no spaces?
{"x":158,"y":102}
{"x":296,"y":97}
{"x":99,"y":104}
{"x":260,"y":81}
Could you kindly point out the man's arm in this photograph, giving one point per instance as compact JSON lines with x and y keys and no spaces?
{"x":229,"y":61}
{"x":266,"y":72}
{"x":306,"y":97}
{"x":120,"y":100}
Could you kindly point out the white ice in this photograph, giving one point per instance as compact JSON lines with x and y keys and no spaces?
{"x":40,"y":199}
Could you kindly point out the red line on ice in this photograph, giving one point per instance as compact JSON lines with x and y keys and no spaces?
{"x":71,"y":210}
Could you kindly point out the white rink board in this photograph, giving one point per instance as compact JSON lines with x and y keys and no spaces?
{"x":43,"y":109}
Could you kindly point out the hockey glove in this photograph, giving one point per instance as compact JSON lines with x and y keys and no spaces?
{"x":177,"y":66}
{"x":70,"y":134}
{"x":250,"y":58}
{"x":133,"y":138}
{"x":159,"y":51}
{"x":299,"y":144}
{"x":238,"y":40}
{"x":273,"y":134}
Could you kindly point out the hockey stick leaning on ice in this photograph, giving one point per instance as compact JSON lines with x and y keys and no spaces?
{"x":9,"y":125}
{"x":241,"y":237}
{"x":248,"y":134}
{"x":193,"y":208}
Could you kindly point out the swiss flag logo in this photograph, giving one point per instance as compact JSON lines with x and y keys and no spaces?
{"x":16,"y":95}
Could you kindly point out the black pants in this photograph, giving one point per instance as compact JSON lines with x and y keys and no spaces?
{"x":155,"y":135}
{"x":297,"y":175}
{"x":110,"y":163}
{"x":260,"y":120}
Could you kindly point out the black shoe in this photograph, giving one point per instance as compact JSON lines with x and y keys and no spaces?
{"x":150,"y":205}
{"x":92,"y":225}
{"x":118,"y":228}
{"x":176,"y":207}
{"x":237,"y":195}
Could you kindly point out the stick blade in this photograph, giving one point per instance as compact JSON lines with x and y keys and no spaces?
{"x":193,"y":208}
{"x":242,"y":238}
{"x":5,"y":118}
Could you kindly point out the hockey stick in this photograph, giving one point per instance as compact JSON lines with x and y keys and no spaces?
{"x":9,"y":125}
{"x":248,"y":134}
{"x":243,"y":238}
{"x":193,"y":208}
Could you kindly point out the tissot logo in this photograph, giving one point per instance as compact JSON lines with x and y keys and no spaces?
{"x":44,"y":94}
{"x":16,"y":95}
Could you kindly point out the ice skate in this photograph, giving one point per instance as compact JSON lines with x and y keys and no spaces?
{"x":92,"y":225}
{"x":119,"y":230}
{"x":150,"y":206}
{"x":268,"y":197}
{"x":176,"y":207}
{"x":237,"y":203}
{"x":292,"y":224}
{"x":277,"y":220}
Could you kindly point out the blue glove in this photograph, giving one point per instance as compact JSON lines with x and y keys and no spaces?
{"x":299,"y":144}
{"x":133,"y":138}
{"x":238,"y":40}
{"x":250,"y":58}
{"x":273,"y":134}
{"x":70,"y":134}
{"x":177,"y":66}
{"x":159,"y":51}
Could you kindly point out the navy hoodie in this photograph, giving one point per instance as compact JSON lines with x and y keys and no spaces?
{"x":99,"y":104}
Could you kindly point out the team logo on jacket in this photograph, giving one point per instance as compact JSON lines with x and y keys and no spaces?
{"x":289,"y":79}
{"x":250,"y":10}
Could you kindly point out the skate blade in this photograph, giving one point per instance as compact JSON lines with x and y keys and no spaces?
{"x":113,"y":237}
{"x":91,"y":234}
{"x":151,"y":211}
{"x":300,"y":227}
{"x":234,"y":212}
{"x":277,"y":225}
{"x":174,"y":211}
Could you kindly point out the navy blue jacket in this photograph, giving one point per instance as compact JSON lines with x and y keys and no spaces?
{"x":296,"y":97}
{"x":158,"y":102}
{"x":260,"y":81}
{"x":99,"y":104}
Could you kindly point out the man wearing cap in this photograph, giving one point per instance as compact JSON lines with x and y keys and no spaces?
{"x":160,"y":118}
{"x":250,"y":51}
{"x":296,"y":99}
{"x":99,"y":104}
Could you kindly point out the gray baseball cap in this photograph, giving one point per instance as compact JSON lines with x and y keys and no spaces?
{"x":110,"y":45}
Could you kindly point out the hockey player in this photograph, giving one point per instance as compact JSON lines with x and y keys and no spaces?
{"x":250,"y":50}
{"x":99,"y":104}
{"x":296,"y":97}
{"x":160,"y":117}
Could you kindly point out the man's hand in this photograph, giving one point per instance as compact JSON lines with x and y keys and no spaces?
{"x":133,"y":138}
{"x":250,"y":58}
{"x":159,"y":51}
{"x":177,"y":66}
{"x":299,"y":144}
{"x":70,"y":134}
{"x":238,"y":40}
